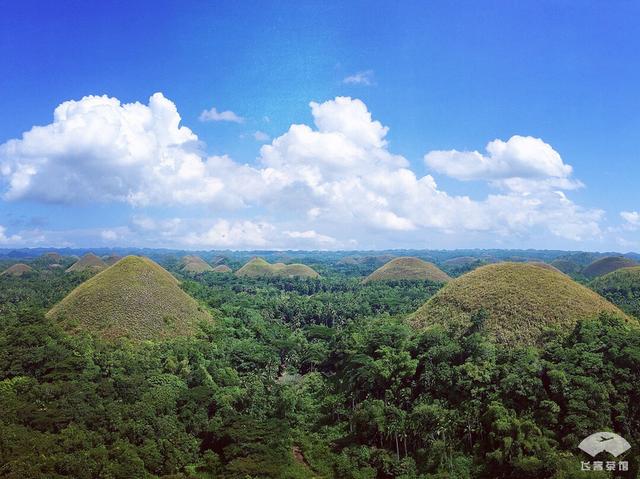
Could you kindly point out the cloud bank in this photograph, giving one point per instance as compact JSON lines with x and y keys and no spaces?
{"x":333,"y":183}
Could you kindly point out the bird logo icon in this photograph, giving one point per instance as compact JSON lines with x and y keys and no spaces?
{"x":604,"y":441}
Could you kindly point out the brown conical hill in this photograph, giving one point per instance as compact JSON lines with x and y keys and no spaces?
{"x":222,"y":268}
{"x":134,"y":298}
{"x":52,"y":257}
{"x":89,"y":262}
{"x":17,"y":270}
{"x":520,"y":299}
{"x":258,"y":267}
{"x":607,"y":265}
{"x":195,"y":264}
{"x":408,"y":268}
{"x":111,"y":259}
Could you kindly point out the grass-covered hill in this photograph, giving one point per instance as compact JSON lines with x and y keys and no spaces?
{"x":258,"y":267}
{"x":88,"y":262}
{"x":567,"y":266}
{"x":52,"y":257}
{"x":408,"y":268}
{"x":622,"y":288}
{"x":514,"y":302}
{"x":18,"y":270}
{"x":194,"y":265}
{"x":134,"y":298}
{"x":543,"y":265}
{"x":222,"y":268}
{"x":607,"y":265}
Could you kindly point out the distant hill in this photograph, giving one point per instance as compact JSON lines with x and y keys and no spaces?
{"x":111,"y":259}
{"x":89,"y":262}
{"x":366,"y":260}
{"x":17,"y":270}
{"x":258,"y":267}
{"x":408,"y":268}
{"x":195,"y":264}
{"x":52,"y":257}
{"x":622,"y":288}
{"x":222,"y":268}
{"x":607,"y":265}
{"x":519,"y":299}
{"x":135,"y":298}
{"x":567,"y":266}
{"x":461,"y":261}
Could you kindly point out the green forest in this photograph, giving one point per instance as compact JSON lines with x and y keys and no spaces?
{"x":299,"y":378}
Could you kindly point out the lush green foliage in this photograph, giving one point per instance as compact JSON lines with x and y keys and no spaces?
{"x":622,"y":288}
{"x":304,"y":378}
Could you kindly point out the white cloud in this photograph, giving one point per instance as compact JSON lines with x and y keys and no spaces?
{"x":7,"y":239}
{"x":228,"y":234}
{"x":109,"y":235}
{"x":261,"y":136}
{"x":325,"y":183}
{"x":521,"y":157}
{"x":311,"y":235}
{"x":632,"y":219}
{"x":360,"y":78}
{"x":213,"y":114}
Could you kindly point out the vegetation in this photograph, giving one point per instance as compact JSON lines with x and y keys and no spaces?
{"x":304,"y":378}
{"x":88,"y":262}
{"x":258,"y":267}
{"x":606,"y":265}
{"x":18,"y":270}
{"x":222,"y":268}
{"x":408,"y":268}
{"x":622,"y":288}
{"x":547,"y":266}
{"x":135,"y":298}
{"x":567,"y":266}
{"x":517,"y":303}
{"x":111,"y":259}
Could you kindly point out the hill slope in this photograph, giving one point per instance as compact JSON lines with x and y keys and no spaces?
{"x":607,"y":265}
{"x":134,"y":298}
{"x":89,"y":262}
{"x":521,"y":300}
{"x":258,"y":267}
{"x":408,"y":268}
{"x":567,"y":266}
{"x":195,"y":264}
{"x":622,"y":288}
{"x":222,"y":268}
{"x":17,"y":270}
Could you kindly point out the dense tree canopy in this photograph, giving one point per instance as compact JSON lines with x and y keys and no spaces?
{"x":303,"y":378}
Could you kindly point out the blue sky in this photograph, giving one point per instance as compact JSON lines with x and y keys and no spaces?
{"x":555,"y":83}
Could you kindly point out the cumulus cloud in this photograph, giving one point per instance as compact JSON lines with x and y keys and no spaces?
{"x":322,"y":183}
{"x":213,"y":114}
{"x":6,"y":238}
{"x":359,"y":78}
{"x":632,"y":219}
{"x":522,"y":157}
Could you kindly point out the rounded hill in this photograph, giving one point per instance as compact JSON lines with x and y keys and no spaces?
{"x":195,"y":265}
{"x":17,"y":270}
{"x":622,"y":288}
{"x":222,"y":268}
{"x":134,"y":298}
{"x":607,"y":265}
{"x":258,"y":267}
{"x":519,"y":301}
{"x":408,"y":268}
{"x":89,"y":262}
{"x":567,"y":266}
